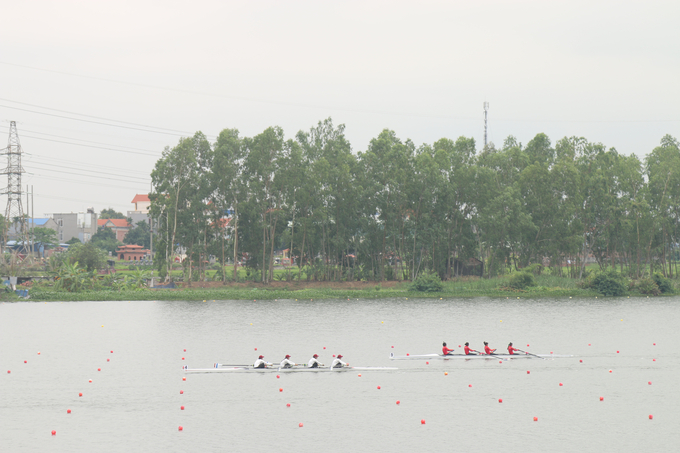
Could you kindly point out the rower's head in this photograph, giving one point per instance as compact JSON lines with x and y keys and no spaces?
{"x":261,"y":357}
{"x":444,"y":343}
{"x":467,"y":344}
{"x":288,"y":356}
{"x":315,"y":356}
{"x":486,"y":344}
{"x":509,"y":344}
{"x":339,"y":356}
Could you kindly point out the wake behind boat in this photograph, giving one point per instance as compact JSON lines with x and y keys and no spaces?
{"x":475,"y":356}
{"x":218,"y":368}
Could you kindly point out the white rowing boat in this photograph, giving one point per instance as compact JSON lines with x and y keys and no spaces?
{"x":276,"y":369}
{"x":476,"y":356}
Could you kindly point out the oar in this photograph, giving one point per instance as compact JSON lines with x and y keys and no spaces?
{"x":532,"y":354}
{"x":498,"y":357}
{"x":230,"y":364}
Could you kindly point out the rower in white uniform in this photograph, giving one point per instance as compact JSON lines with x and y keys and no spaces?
{"x":313,"y":362}
{"x":337,"y":363}
{"x":260,"y":363}
{"x":286,"y":363}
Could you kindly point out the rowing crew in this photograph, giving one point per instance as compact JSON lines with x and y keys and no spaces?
{"x":470,"y":351}
{"x":287,"y":363}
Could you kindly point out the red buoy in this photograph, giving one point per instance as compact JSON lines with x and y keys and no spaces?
{"x":99,"y":369}
{"x":407,"y":354}
{"x":180,"y":428}
{"x":25,"y":361}
{"x":288,"y":405}
{"x":111,"y":352}
{"x":610,"y":371}
{"x":108,"y":360}
{"x":181,"y":392}
{"x":68,"y":411}
{"x":602,"y":398}
{"x":528,"y":372}
{"x":80,"y":394}
{"x":90,"y":381}
{"x":653,"y":360}
{"x":278,"y":377}
{"x":469,"y":385}
{"x":527,"y":346}
{"x":379,"y":386}
{"x":589,"y":344}
{"x":427,"y":363}
{"x":359,"y":375}
{"x":459,"y":346}
{"x":560,"y":384}
{"x":649,"y":383}
{"x":255,"y":349}
{"x":280,"y":390}
{"x":333,"y":355}
{"x":651,"y":416}
{"x":580,"y":360}
{"x":535,"y":419}
{"x":181,"y":408}
{"x":500,"y":361}
{"x":398,"y":402}
{"x":654,"y":344}
{"x":392,"y":347}
{"x":186,"y":350}
{"x":300,"y":425}
{"x":54,"y":433}
{"x":422,"y":422}
{"x":184,"y":378}
{"x":325,"y":347}
{"x":617,"y":352}
{"x":500,"y":400}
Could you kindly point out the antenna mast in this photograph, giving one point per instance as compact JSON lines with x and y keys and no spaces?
{"x":14,"y":213}
{"x":486,"y":111}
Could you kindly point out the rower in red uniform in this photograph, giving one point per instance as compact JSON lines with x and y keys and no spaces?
{"x":445,"y":350}
{"x":469,"y":351}
{"x":511,"y":350}
{"x":487,"y":349}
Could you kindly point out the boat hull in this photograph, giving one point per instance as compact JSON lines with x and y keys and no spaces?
{"x":476,"y":356}
{"x":284,"y":370}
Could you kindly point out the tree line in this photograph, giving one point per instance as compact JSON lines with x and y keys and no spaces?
{"x":397,"y":209}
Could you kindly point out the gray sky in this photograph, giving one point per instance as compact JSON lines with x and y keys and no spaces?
{"x":604,"y":70}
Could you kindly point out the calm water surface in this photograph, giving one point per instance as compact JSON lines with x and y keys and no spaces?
{"x":133,"y":403}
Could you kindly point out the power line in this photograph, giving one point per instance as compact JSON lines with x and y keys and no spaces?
{"x":83,"y":164}
{"x":92,"y":146}
{"x":87,"y":175}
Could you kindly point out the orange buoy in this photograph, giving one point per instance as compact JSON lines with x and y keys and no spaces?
{"x":180,"y":428}
{"x":535,"y":419}
{"x":80,"y":394}
{"x":68,"y":411}
{"x":300,"y":425}
{"x":181,"y":408}
{"x":280,"y":390}
{"x":651,"y":416}
{"x":446,"y":373}
{"x":398,"y":402}
{"x":602,"y":398}
{"x":181,"y":392}
{"x":54,"y":433}
{"x":500,"y":400}
{"x":38,"y":352}
{"x":422,"y":422}
{"x":359,"y":375}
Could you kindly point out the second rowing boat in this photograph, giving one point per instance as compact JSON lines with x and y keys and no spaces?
{"x":475,"y":356}
{"x":275,"y":369}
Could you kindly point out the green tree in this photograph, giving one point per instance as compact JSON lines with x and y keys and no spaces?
{"x":87,"y":255}
{"x":105,"y":239}
{"x":111,"y":213}
{"x":45,"y":235}
{"x":139,"y":235}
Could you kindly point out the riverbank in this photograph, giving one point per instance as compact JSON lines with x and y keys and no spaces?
{"x":547,"y":287}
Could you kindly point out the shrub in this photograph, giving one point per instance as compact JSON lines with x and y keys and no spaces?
{"x":536,"y":268}
{"x":521,"y":280}
{"x":608,"y":283}
{"x":648,"y":286}
{"x":427,"y":282}
{"x":663,"y":283}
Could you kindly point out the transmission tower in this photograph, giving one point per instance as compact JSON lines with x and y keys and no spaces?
{"x":486,"y":111}
{"x":14,"y":213}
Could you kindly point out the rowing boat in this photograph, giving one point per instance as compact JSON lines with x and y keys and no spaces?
{"x":479,"y":356}
{"x":275,"y":369}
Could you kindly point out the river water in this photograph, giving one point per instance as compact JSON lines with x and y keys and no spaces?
{"x":133,"y":403}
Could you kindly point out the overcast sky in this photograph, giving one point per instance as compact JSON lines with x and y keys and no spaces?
{"x":98,"y":89}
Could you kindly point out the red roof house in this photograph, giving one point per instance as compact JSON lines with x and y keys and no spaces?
{"x":132,"y":252}
{"x":141,"y":202}
{"x":119,"y":226}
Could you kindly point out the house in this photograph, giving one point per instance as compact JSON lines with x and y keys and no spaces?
{"x":141,"y":211}
{"x":132,"y":252}
{"x":81,"y":225}
{"x":14,"y":233}
{"x":119,"y":226}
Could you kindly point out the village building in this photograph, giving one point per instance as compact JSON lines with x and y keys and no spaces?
{"x":120,"y":227}
{"x":132,"y":252}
